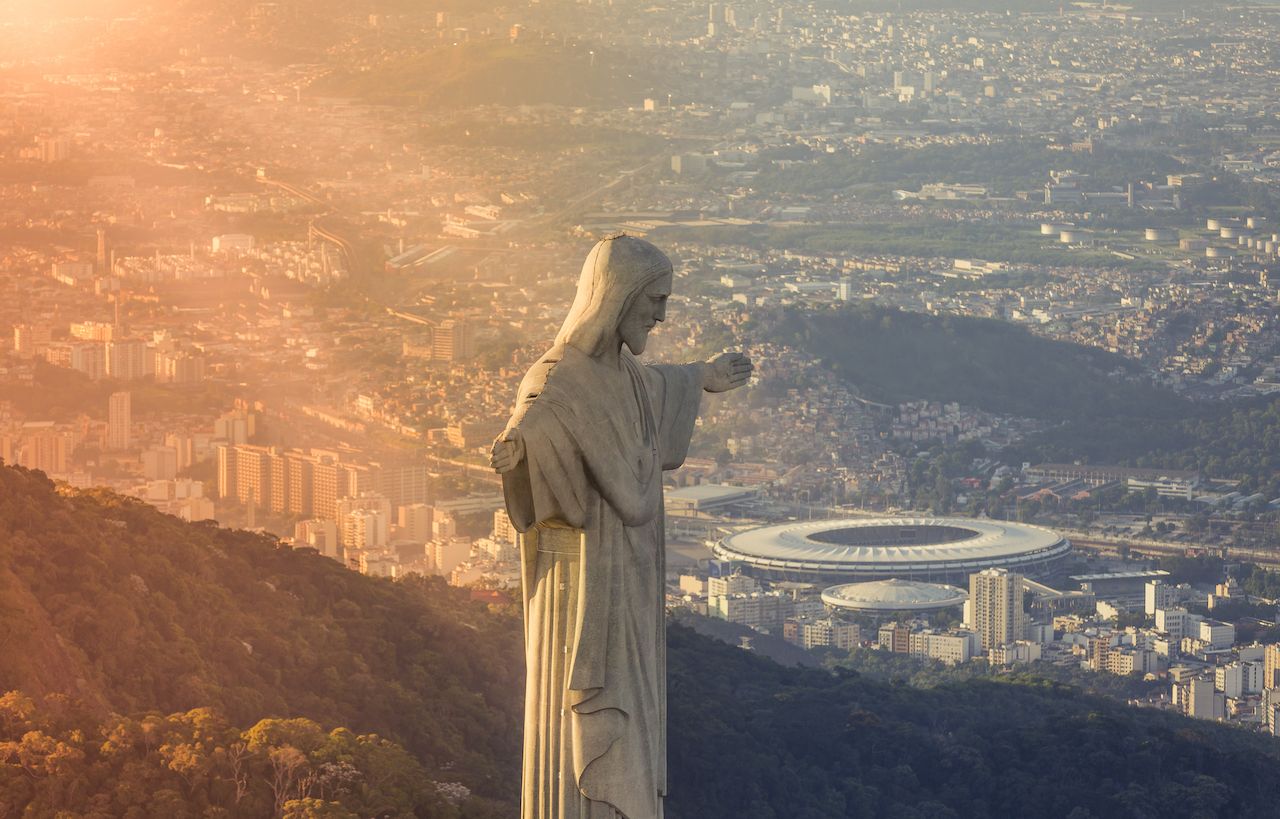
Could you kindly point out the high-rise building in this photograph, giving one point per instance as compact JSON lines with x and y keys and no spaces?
{"x":325,"y":483}
{"x":226,"y":471}
{"x":253,"y":476}
{"x":414,"y":521}
{"x":1229,"y":679}
{"x":357,"y":527}
{"x":405,"y":484}
{"x":809,"y":632}
{"x":103,"y":257}
{"x":1271,"y":666}
{"x":1201,"y":700}
{"x":28,"y":338}
{"x":45,"y":447}
{"x":281,"y":488}
{"x":179,"y":367}
{"x":300,"y":476}
{"x":896,"y":637}
{"x":92,"y":330}
{"x":503,"y":530}
{"x":995,"y":597}
{"x":183,"y":447}
{"x":1159,"y":595}
{"x":127,"y":359}
{"x":451,"y":340}
{"x":85,"y":357}
{"x":365,"y":529}
{"x":447,"y":553}
{"x":119,"y":420}
{"x":160,"y":463}
{"x":321,"y":535}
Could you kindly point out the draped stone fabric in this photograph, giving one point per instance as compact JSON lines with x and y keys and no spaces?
{"x":587,"y":498}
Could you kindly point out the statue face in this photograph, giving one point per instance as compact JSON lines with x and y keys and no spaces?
{"x":647,"y":309}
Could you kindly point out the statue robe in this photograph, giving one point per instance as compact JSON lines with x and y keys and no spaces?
{"x":587,"y":499}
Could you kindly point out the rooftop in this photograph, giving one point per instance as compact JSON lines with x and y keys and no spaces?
{"x":893,"y":595}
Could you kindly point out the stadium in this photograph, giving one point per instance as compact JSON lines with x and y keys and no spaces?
{"x":932,"y":549}
{"x":893,"y":595}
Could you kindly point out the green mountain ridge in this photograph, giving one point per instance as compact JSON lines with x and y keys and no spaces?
{"x":170,"y":669}
{"x":894,"y":355}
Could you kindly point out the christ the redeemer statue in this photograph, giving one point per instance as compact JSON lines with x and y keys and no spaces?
{"x":581,"y":462}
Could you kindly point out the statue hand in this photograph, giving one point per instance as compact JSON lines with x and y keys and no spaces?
{"x":508,"y":452}
{"x":725,"y":372}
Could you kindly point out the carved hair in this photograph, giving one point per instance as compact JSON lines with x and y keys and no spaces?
{"x":615,"y":272}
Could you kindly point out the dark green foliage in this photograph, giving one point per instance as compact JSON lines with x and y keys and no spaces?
{"x":136,"y":611}
{"x":1239,"y":441}
{"x":921,"y":672}
{"x":194,"y":764}
{"x":1257,"y":581}
{"x":891,"y":355}
{"x":750,"y":738}
{"x":1203,"y":569}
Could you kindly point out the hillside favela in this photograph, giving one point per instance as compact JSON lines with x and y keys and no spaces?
{"x":907,"y":446}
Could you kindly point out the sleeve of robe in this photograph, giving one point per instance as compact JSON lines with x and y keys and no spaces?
{"x":676,"y":393}
{"x":550,"y":483}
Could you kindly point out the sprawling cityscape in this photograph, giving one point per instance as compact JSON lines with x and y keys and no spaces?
{"x":1010,"y":280}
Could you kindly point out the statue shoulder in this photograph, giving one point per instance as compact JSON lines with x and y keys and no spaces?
{"x":559,"y":376}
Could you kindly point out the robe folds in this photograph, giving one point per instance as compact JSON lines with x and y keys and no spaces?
{"x":587,"y":499}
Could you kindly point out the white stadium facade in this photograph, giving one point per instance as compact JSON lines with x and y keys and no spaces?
{"x":932,"y":549}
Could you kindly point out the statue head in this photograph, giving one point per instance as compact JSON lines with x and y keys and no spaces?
{"x":622,"y":294}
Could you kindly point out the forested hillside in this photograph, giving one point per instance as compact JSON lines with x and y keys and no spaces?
{"x":128,"y":611}
{"x":1103,"y":411}
{"x":753,"y":740}
{"x":892,"y":355}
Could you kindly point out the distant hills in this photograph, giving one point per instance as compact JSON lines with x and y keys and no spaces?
{"x":193,"y":671}
{"x":892,"y":355}
{"x":1103,"y":409}
{"x":493,"y":72}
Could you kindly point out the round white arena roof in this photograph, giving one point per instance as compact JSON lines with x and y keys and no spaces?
{"x":903,"y":547}
{"x":893,"y":595}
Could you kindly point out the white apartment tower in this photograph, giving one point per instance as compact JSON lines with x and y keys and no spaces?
{"x":119,"y":420}
{"x":995,"y":596}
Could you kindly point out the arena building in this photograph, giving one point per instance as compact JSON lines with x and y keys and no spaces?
{"x":908,"y":548}
{"x":884,"y":596}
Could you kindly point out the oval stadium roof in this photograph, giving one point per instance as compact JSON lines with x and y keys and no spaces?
{"x":893,"y":595}
{"x":893,"y":547}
